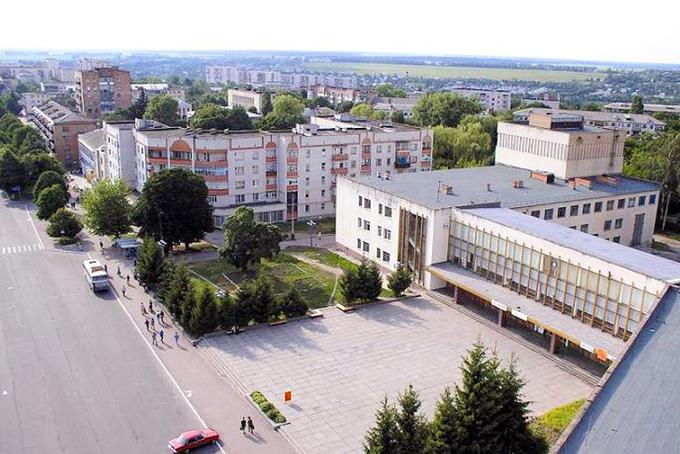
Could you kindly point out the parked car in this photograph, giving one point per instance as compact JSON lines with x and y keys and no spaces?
{"x":193,"y":439}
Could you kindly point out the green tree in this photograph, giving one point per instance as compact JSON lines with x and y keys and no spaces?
{"x":443,"y":426}
{"x":177,"y":283}
{"x":204,"y":316}
{"x":348,"y":285}
{"x":365,"y":110}
{"x":292,"y":304}
{"x":37,"y":163}
{"x":637,"y":107}
{"x":212,"y":116}
{"x":397,"y":116}
{"x":411,"y":424}
{"x":370,"y":281}
{"x":150,"y":262}
{"x":266,"y":102}
{"x":174,"y":207}
{"x":64,"y":223}
{"x":10,"y":103}
{"x":467,"y":142}
{"x":443,"y":108}
{"x":26,"y":139}
{"x":138,"y":109}
{"x":246,"y":241}
{"x":383,"y":437}
{"x":399,"y":280}
{"x":344,"y":106}
{"x":50,"y":200}
{"x":107,"y":209}
{"x":320,"y":101}
{"x":162,"y":108}
{"x":47,"y":179}
{"x":286,"y":113}
{"x":12,"y":171}
{"x":254,"y":301}
{"x":389,"y":91}
{"x":226,"y":310}
{"x":187,"y":306}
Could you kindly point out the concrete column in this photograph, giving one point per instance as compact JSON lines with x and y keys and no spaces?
{"x":501,"y":317}
{"x":455,"y":294}
{"x":553,"y":343}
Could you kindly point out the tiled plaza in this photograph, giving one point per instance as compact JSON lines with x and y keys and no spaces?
{"x":340,"y":366}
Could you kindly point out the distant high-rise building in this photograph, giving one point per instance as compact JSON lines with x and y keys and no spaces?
{"x":102,"y":90}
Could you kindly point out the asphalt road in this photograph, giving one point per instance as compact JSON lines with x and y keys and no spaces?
{"x":75,"y":375}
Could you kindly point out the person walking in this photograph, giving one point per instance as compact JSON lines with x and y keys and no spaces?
{"x":106,"y":269}
{"x":176,"y":339}
{"x":162,"y":316}
{"x":101,"y":244}
{"x":127,"y":278}
{"x":151,"y":306}
{"x":146,"y":322}
{"x":153,"y":324}
{"x":123,"y":289}
{"x":142,"y":309}
{"x":243,"y":425}
{"x":161,"y":333}
{"x":119,"y":273}
{"x":153,"y":339}
{"x":158,"y":317}
{"x":251,"y":426}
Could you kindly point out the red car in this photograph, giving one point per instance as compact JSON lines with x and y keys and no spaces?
{"x":192,"y":439}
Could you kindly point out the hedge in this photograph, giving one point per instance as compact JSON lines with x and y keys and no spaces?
{"x":267,"y":407}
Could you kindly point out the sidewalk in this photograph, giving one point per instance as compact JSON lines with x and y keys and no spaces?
{"x":216,"y":398}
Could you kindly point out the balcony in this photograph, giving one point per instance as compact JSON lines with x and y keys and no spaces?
{"x":366,"y":169}
{"x":270,"y":173}
{"x":292,"y":160}
{"x":292,"y":174}
{"x":339,"y":171}
{"x":181,"y":162}
{"x":211,"y":164}
{"x":291,"y":188}
{"x":157,"y":160}
{"x":271,"y":187}
{"x":218,"y":191}
{"x":270,"y":159}
{"x":218,"y":178}
{"x":340,"y":157}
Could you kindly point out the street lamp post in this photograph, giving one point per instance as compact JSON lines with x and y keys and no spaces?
{"x":312,"y":226}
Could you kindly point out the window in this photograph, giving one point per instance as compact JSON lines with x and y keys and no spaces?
{"x":378,"y":162}
{"x":367,"y":203}
{"x":358,"y":243}
{"x":306,"y":208}
{"x":239,"y":170}
{"x":359,"y":222}
{"x":322,"y":206}
{"x":323,"y":179}
{"x":607,"y":225}
{"x":366,"y":247}
{"x":631,"y":202}
{"x":386,"y":256}
{"x":379,"y":231}
{"x":307,"y":167}
{"x":254,"y":183}
{"x":642,"y":200}
{"x":387,"y":234}
{"x":361,"y":201}
{"x":548,"y":214}
{"x":323,"y":166}
{"x":610,"y":205}
{"x":573,"y":210}
{"x":652,"y":199}
{"x":256,"y":169}
{"x":378,"y":252}
{"x":367,"y":225}
{"x":536,"y":213}
{"x":561,"y":212}
{"x":584,"y":228}
{"x":212,"y":199}
{"x":306,"y":181}
{"x":586,"y":208}
{"x":616,"y":239}
{"x":323,"y":193}
{"x":240,"y":198}
{"x":256,"y":197}
{"x":621,"y":204}
{"x":618,"y":223}
{"x":380,"y":208}
{"x":240,"y":184}
{"x":388,"y":212}
{"x":598,"y":207}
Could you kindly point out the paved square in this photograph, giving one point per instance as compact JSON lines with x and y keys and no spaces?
{"x":340,"y":366}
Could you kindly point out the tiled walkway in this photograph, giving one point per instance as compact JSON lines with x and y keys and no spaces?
{"x":340,"y":366}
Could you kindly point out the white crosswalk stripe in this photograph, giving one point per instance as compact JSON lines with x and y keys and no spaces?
{"x":6,"y":250}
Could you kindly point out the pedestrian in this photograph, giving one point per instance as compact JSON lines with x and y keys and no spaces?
{"x":101,"y":244}
{"x":119,"y":273}
{"x":158,"y":317}
{"x":106,"y":269}
{"x":162,"y":316}
{"x":123,"y":289}
{"x":142,"y":309}
{"x":176,"y":339}
{"x":153,"y":324}
{"x":151,"y":306}
{"x":161,"y":333}
{"x":128,"y":279}
{"x":243,"y":425}
{"x":251,"y":426}
{"x":153,"y":338}
{"x":146,"y":322}
{"x":134,"y":262}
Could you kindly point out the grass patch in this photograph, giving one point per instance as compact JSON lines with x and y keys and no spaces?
{"x":323,"y":225}
{"x":455,"y":72}
{"x":324,"y":256}
{"x":659,"y":246}
{"x":552,"y":424}
{"x":267,"y":407}
{"x":213,"y":271}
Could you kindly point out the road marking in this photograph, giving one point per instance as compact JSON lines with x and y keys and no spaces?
{"x":14,"y":249}
{"x":153,"y":352}
{"x":30,"y":218}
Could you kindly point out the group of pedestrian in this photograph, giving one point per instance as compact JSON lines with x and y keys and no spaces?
{"x":249,"y":425}
{"x":152,"y":316}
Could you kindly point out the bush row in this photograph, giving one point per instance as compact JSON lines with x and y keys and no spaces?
{"x":267,"y":407}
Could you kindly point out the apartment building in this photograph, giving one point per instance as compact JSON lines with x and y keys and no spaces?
{"x":102,"y":90}
{"x":150,"y":90}
{"x":549,"y":99}
{"x":31,"y":99}
{"x":247,"y":99}
{"x":283,"y":175}
{"x":491,"y":100}
{"x":631,"y":124}
{"x":92,"y":155}
{"x":120,"y":151}
{"x":649,"y":109}
{"x":336,"y":95}
{"x":402,"y":105}
{"x":306,"y":80}
{"x":59,"y":126}
{"x":234,"y":74}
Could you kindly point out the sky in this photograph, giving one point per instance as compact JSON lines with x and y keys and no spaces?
{"x":597,"y":30}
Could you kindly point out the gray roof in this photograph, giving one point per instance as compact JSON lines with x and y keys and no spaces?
{"x":470,"y":187}
{"x":595,"y":115}
{"x":636,"y":409}
{"x":93,"y":139}
{"x":623,"y":256}
{"x":60,"y":114}
{"x":648,"y":107}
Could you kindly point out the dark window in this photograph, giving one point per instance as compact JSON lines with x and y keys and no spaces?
{"x":642,"y":200}
{"x":548,"y":214}
{"x":561,"y":212}
{"x":652,"y":199}
{"x":573,"y":210}
{"x":586,"y":208}
{"x":361,"y":200}
{"x":631,"y":202}
{"x":536,"y":213}
{"x":608,"y":225}
{"x":584,"y":228}
{"x":610,"y":205}
{"x":388,"y":212}
{"x":621,"y":204}
{"x":598,"y":207}
{"x":616,"y":239}
{"x":618,"y":223}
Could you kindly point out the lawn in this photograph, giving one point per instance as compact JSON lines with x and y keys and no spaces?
{"x":324,"y":256}
{"x":315,"y":286}
{"x":454,"y":72}
{"x":323,"y":225}
{"x":552,"y":424}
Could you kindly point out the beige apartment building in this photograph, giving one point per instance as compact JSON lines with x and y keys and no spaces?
{"x":102,"y":90}
{"x":247,"y":99}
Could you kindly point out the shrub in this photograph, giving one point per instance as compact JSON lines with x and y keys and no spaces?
{"x":267,"y":407}
{"x":399,"y":280}
{"x":50,"y":200}
{"x":64,"y":223}
{"x":66,"y":240}
{"x":47,"y":179}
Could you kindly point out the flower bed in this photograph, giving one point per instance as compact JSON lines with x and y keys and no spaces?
{"x":267,"y":407}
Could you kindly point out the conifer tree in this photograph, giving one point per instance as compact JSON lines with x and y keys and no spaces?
{"x":412,"y":426}
{"x":443,"y":425}
{"x":150,"y":262}
{"x":204,"y":316}
{"x":382,"y":438}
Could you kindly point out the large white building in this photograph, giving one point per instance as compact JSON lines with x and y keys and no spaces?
{"x":533,"y":237}
{"x":632,"y":124}
{"x":491,"y":100}
{"x":242,"y":76}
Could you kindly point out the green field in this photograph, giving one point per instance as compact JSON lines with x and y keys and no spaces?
{"x":454,"y":72}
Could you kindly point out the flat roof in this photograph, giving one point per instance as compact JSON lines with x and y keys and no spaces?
{"x":636,"y":409}
{"x":563,"y":325}
{"x":470,"y":187}
{"x":623,"y":256}
{"x":594,"y":115}
{"x":648,"y":107}
{"x":93,"y":139}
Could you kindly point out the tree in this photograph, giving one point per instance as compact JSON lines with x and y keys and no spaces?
{"x":292,"y":304}
{"x":320,"y":101}
{"x":344,"y":106}
{"x":443,"y":427}
{"x":47,"y":179}
{"x":443,"y":108}
{"x":12,"y":171}
{"x":397,"y":116}
{"x":246,"y":241}
{"x":212,"y":116}
{"x":25,"y":139}
{"x":286,"y":113}
{"x":187,"y":306}
{"x":204,"y":316}
{"x":365,"y":110}
{"x":150,"y":262}
{"x":349,"y":286}
{"x":174,"y":207}
{"x":266,"y":102}
{"x":637,"y":107}
{"x":37,"y":163}
{"x":64,"y":223}
{"x":369,"y":281}
{"x":412,"y":426}
{"x":10,"y":103}
{"x":383,"y":437}
{"x":138,"y":109}
{"x":399,"y":280}
{"x":162,"y":108}
{"x":107,"y":209}
{"x":389,"y":91}
{"x":50,"y":200}
{"x":467,"y":142}
{"x":178,"y":284}
{"x":226,"y":310}
{"x":254,"y":301}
